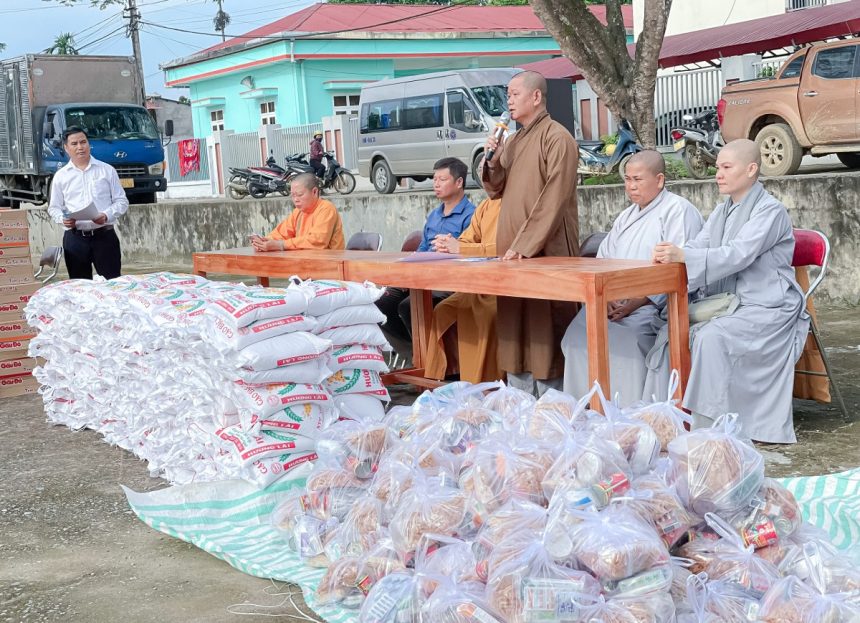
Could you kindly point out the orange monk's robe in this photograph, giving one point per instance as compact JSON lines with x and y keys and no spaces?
{"x":474,"y":314}
{"x":319,"y":228}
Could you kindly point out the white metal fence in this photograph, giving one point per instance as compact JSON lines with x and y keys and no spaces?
{"x":683,"y":93}
{"x":239,"y":150}
{"x":350,"y":143}
{"x":794,"y":5}
{"x":284,"y":142}
{"x":767,"y":68}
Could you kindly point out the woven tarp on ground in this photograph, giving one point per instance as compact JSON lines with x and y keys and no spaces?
{"x":230,"y":520}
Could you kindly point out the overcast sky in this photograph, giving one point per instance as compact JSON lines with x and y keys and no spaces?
{"x":30,"y":26}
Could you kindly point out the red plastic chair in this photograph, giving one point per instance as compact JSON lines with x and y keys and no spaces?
{"x":811,"y":248}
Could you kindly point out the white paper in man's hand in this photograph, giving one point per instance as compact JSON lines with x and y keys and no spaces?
{"x":89,"y":213}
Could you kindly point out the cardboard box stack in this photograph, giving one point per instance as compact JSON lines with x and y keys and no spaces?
{"x":16,"y":287}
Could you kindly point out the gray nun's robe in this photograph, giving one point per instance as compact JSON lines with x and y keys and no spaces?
{"x":744,"y":362}
{"x":633,"y":236}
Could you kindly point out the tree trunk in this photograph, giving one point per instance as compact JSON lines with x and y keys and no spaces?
{"x":625,"y":85}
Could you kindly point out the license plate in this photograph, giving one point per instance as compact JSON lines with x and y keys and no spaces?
{"x":126,"y":182}
{"x":679,"y":145}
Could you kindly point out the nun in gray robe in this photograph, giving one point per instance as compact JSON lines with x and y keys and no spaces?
{"x":633,"y":236}
{"x":743,"y":361}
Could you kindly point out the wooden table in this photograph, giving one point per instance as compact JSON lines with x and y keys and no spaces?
{"x":593,"y":282}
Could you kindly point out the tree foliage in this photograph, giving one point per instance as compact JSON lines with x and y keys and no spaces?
{"x":64,"y":44}
{"x":624,"y":84}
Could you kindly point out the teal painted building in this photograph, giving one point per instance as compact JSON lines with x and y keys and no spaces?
{"x":313,"y":63}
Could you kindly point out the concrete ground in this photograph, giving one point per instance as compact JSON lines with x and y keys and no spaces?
{"x":71,"y":550}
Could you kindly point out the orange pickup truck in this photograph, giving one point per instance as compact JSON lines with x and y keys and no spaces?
{"x":809,"y":107}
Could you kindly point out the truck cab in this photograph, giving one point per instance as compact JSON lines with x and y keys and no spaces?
{"x":124,"y":136}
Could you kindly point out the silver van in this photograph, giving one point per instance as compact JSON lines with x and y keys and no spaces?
{"x":407,"y":124}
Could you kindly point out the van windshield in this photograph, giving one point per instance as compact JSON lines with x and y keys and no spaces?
{"x":493,"y":99}
{"x":102,"y":122}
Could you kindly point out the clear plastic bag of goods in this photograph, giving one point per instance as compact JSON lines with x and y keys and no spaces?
{"x":456,"y":602}
{"x":515,"y":517}
{"x":615,"y":544}
{"x":636,"y":439}
{"x":305,"y":533}
{"x":350,"y":315}
{"x":652,"y":608}
{"x":699,"y":549}
{"x":457,"y":417}
{"x":425,"y":453}
{"x":816,"y":561}
{"x":512,"y":404}
{"x":357,"y":381}
{"x":379,"y":561}
{"x":525,"y":585}
{"x":439,"y":555}
{"x":393,"y":478}
{"x":589,"y":464}
{"x":361,"y":356}
{"x":240,"y":309}
{"x":339,"y":584}
{"x":395,"y":598}
{"x":359,"y":530}
{"x":314,"y":371}
{"x":771,"y":516}
{"x":658,"y":504}
{"x":355,"y":445}
{"x":665,"y":418}
{"x":281,"y":351}
{"x":715,"y":601}
{"x":737,"y":563}
{"x":330,"y":294}
{"x":493,"y":473}
{"x":226,"y":338}
{"x":332,"y":490}
{"x":791,"y":600}
{"x":556,"y":412}
{"x":430,"y":506}
{"x":714,"y":470}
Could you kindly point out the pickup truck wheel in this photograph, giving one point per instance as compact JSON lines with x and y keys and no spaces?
{"x":780,"y":152}
{"x":850,"y":160}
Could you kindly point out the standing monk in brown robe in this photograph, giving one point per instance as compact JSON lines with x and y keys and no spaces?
{"x":534,"y":172}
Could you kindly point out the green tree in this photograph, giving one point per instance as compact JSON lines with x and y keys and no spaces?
{"x":2,"y":46}
{"x":221,"y":20}
{"x":63,"y":44}
{"x":625,"y":85}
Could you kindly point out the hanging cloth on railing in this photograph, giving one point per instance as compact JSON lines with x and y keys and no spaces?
{"x":189,"y":156}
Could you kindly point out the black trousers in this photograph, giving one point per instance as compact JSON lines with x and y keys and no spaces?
{"x":319,"y":167}
{"x":101,"y":250}
{"x":395,"y":304}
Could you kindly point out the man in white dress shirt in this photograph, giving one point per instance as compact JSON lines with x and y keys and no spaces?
{"x":84,"y":181}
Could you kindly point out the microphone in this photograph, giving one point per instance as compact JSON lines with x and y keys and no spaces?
{"x":501,"y":127}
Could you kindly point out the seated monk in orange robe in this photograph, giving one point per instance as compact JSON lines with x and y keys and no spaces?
{"x":474,"y":314}
{"x":313,"y":224}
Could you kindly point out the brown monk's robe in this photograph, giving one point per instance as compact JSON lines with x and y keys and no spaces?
{"x":535,"y":175}
{"x":474,"y":314}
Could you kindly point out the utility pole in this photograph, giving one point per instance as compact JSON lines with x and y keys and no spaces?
{"x":131,"y":13}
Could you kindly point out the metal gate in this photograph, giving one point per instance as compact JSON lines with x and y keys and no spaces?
{"x":683,"y":93}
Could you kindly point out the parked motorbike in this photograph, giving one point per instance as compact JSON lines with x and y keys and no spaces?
{"x":594,"y":161}
{"x":700,"y":142}
{"x":272,"y":178}
{"x":237,"y":185}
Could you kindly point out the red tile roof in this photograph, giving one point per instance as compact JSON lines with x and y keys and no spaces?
{"x":753,"y":36}
{"x":333,"y":18}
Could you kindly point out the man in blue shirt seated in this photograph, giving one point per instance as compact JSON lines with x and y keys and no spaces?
{"x":451,"y":217}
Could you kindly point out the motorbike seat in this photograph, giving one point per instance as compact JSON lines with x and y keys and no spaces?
{"x":590,"y":144}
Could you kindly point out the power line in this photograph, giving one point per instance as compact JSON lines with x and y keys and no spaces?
{"x":102,"y":38}
{"x":316,"y":34}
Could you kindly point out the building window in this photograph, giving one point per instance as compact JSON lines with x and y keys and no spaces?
{"x":345,"y":105}
{"x":267,"y":113}
{"x":217,"y":119}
